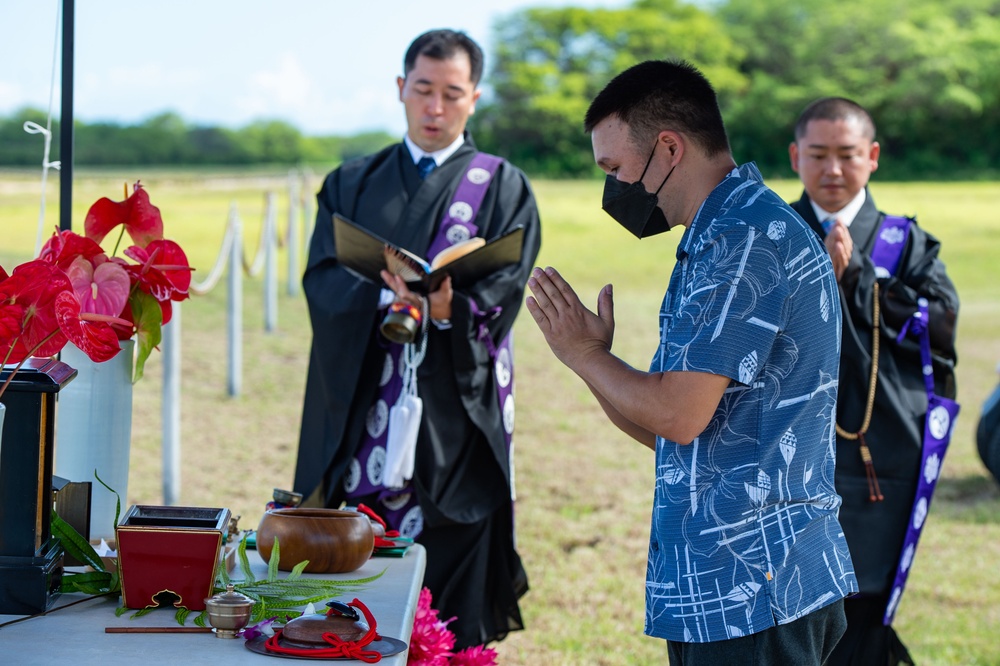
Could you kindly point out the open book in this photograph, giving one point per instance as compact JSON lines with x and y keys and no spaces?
{"x":366,"y":254}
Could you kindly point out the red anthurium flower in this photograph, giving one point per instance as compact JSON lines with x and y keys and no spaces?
{"x":32,"y":289}
{"x":150,"y":280}
{"x":92,"y":333}
{"x":127,"y":329}
{"x":167,"y":311}
{"x":165,"y":272}
{"x":102,"y":288}
{"x":140,"y":218}
{"x":65,"y":246}
{"x":11,"y":320}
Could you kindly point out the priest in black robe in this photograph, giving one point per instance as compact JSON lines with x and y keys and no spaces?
{"x":834,"y":153}
{"x":462,"y":475}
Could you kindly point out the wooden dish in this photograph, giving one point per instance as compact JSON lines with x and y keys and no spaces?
{"x":307,"y":631}
{"x":333,"y":541}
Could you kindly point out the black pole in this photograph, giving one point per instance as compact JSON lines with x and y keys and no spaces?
{"x":66,"y":121}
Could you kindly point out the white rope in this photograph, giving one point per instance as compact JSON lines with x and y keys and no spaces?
{"x":35,"y":128}
{"x":202,"y":288}
{"x":254,"y":269}
{"x":268,"y":233}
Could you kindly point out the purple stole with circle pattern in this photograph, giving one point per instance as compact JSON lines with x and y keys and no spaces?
{"x":941,"y":412}
{"x":399,"y":506}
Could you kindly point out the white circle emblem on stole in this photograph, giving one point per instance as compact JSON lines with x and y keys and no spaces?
{"x":503,"y":368}
{"x":376,"y":465}
{"x":508,"y":414}
{"x":378,"y":419}
{"x":460,"y":211}
{"x":478,"y":175}
{"x":386,"y":371}
{"x":907,"y":559}
{"x":412,"y":524}
{"x":457,"y":233}
{"x":919,"y":513}
{"x":352,"y":477}
{"x":939,"y":421}
{"x":396,"y":503}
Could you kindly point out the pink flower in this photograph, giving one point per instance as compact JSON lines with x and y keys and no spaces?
{"x":101,"y":285}
{"x":431,"y":642}
{"x":475,"y":656}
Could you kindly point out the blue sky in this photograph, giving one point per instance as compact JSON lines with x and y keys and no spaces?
{"x":326,"y":66}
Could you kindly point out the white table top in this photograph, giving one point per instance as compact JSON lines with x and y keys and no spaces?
{"x":75,"y":634}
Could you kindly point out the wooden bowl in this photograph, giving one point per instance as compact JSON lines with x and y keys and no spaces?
{"x":333,"y":541}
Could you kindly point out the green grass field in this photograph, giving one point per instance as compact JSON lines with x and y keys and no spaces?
{"x":583,"y":489}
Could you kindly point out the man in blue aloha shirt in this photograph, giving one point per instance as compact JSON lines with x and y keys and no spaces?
{"x":747,"y":561}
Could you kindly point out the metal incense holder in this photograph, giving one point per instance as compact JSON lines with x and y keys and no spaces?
{"x":401,"y":323}
{"x":229,"y":612}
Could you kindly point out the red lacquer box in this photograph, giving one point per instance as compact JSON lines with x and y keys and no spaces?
{"x":169,"y":549}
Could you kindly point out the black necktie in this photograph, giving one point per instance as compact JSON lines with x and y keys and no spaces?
{"x":425,"y":166}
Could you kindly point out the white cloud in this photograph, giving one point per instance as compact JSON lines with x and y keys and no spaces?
{"x":278,"y":91}
{"x":11,"y":97}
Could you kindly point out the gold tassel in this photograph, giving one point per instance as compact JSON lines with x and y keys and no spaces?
{"x":874,"y":492}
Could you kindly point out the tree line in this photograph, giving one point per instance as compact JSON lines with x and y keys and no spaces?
{"x":927,"y":70}
{"x":166,"y":139}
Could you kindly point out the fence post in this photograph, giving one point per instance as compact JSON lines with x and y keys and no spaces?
{"x":171,"y":411}
{"x":270,"y":234}
{"x":307,"y":212}
{"x":234,"y":303}
{"x":292,"y":288}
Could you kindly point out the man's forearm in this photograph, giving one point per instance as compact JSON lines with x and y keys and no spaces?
{"x":641,"y":435}
{"x":674,"y":405}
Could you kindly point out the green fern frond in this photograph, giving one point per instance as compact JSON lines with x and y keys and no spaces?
{"x":297,"y":570}
{"x":241,"y":553}
{"x":272,"y":563}
{"x":118,"y":499}
{"x":74,"y":544}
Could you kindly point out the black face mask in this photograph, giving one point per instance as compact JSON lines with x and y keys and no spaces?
{"x":633,"y":207}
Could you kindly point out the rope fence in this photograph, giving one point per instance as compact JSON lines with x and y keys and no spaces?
{"x":233,"y":261}
{"x":232,"y":257}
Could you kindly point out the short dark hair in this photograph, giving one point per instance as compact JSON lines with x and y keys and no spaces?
{"x":662,"y":94}
{"x":835,"y":108}
{"x":443,"y":45}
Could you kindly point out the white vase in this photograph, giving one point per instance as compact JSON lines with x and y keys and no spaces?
{"x":94,"y":431}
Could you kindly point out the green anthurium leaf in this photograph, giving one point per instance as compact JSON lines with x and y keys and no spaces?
{"x":141,"y":612}
{"x":201,"y":619}
{"x":148,"y":318}
{"x":182,"y":614}
{"x":121,"y":610}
